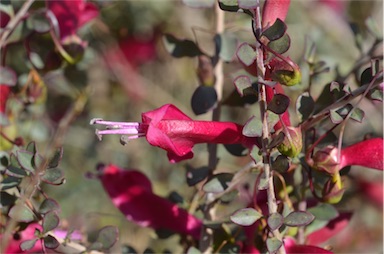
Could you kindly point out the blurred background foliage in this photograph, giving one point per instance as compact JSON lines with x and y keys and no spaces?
{"x":126,"y":71}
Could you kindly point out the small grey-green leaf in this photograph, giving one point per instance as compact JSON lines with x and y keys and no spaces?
{"x":272,"y":119}
{"x":255,"y":154}
{"x":376,"y":95}
{"x":53,"y":176}
{"x":31,"y":147}
{"x":56,"y":158}
{"x":357,"y":115}
{"x":199,"y":3}
{"x":48,"y":205}
{"x":108,"y":236}
{"x":50,"y":221}
{"x":335,"y":117}
{"x":28,"y":244}
{"x":242,"y":82}
{"x":25,"y":160}
{"x":7,"y":76}
{"x":218,"y":183}
{"x":248,"y":4}
{"x":324,"y":211}
{"x":275,"y":221}
{"x":280,"y":45}
{"x":226,"y":44}
{"x":10,"y":182}
{"x":273,"y":244}
{"x":253,"y":127}
{"x":38,"y":161}
{"x":298,"y":218}
{"x":245,"y":216}
{"x":193,"y":250}
{"x":246,"y":54}
{"x":21,"y":213}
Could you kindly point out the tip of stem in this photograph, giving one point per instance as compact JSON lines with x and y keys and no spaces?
{"x":95,"y":120}
{"x":99,"y":136}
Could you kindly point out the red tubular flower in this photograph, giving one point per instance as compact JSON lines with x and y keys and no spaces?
{"x":274,"y":9}
{"x":72,"y":14}
{"x":131,"y":192}
{"x":170,"y":129}
{"x":13,"y":246}
{"x":331,"y":229}
{"x":4,"y":93}
{"x":367,"y":153}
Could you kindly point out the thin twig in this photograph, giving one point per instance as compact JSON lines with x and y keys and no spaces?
{"x":14,"y":22}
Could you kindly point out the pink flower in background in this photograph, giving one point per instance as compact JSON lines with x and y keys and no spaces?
{"x":131,"y":192}
{"x":170,"y":129}
{"x":367,"y":153}
{"x":4,"y":94}
{"x":137,"y":51}
{"x":72,"y":14}
{"x":372,"y":191}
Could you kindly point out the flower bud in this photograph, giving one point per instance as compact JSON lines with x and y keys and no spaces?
{"x":326,"y":160}
{"x":287,"y":77}
{"x":292,"y":143}
{"x":333,"y":190}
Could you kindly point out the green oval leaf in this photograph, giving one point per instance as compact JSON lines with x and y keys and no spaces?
{"x":108,"y":236}
{"x":273,"y":244}
{"x":7,"y":76}
{"x":242,"y":82}
{"x":298,"y":218}
{"x":50,"y":221}
{"x":28,"y":244}
{"x":21,"y":213}
{"x":245,"y":217}
{"x":275,"y":221}
{"x":53,"y":176}
{"x":49,"y":205}
{"x":25,"y":160}
{"x":280,"y":45}
{"x":56,"y":158}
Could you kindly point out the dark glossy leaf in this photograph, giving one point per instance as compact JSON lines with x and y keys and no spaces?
{"x":7,"y":76}
{"x":25,"y":160}
{"x":226,"y":44}
{"x":108,"y":236}
{"x":235,"y":100}
{"x":16,"y":172}
{"x":4,"y":160}
{"x":31,"y":147}
{"x":175,"y":197}
{"x":236,"y":149}
{"x":366,"y":76}
{"x":7,"y":199}
{"x":38,"y":22}
{"x":232,"y":6}
{"x":273,"y":244}
{"x":218,"y":183}
{"x":276,"y":31}
{"x":38,"y":161}
{"x":28,"y":244}
{"x":53,"y":176}
{"x":245,"y":216}
{"x":49,"y":205}
{"x":50,"y":221}
{"x":280,"y":45}
{"x":242,"y":83}
{"x":21,"y":213}
{"x":298,"y":218}
{"x":275,"y":221}
{"x":55,"y":160}
{"x":180,"y":48}
{"x":281,"y":164}
{"x":279,"y":104}
{"x":199,"y":3}
{"x":246,"y":54}
{"x":50,"y":242}
{"x":305,"y":106}
{"x":253,"y":127}
{"x":203,"y":99}
{"x":10,"y":182}
{"x":196,"y":175}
